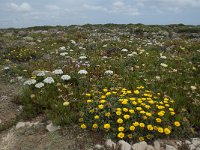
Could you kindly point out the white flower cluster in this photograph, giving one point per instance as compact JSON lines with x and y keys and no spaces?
{"x":63,"y":54}
{"x":82,"y":72}
{"x":65,"y":77}
{"x":82,"y":57}
{"x":109,"y":72}
{"x":164,"y":65}
{"x":49,"y":80}
{"x":39,"y":85}
{"x":58,"y":71}
{"x":124,"y":50}
{"x":30,"y":82}
{"x":41,"y":74}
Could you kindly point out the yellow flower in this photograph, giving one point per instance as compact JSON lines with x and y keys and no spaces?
{"x":161,"y":113}
{"x":118,"y":113}
{"x":136,"y":124}
{"x":139,"y":108}
{"x":96,"y":117}
{"x":118,"y":109}
{"x":158,"y":120}
{"x":148,"y":136}
{"x":131,"y":111}
{"x":160,"y":129}
{"x":101,"y":106}
{"x":142,"y":125}
{"x":65,"y":103}
{"x":167,"y":131}
{"x":132,"y":128}
{"x":103,"y":96}
{"x":141,"y":138}
{"x":83,"y":126}
{"x":126,"y":116}
{"x":125,"y":109}
{"x":102,"y":101}
{"x":80,"y":119}
{"x":107,"y":114}
{"x":130,"y":136}
{"x":95,"y":126}
{"x":142,"y":112}
{"x":89,"y":101}
{"x":108,"y":93}
{"x":92,"y":110}
{"x":125,"y":101}
{"x":172,"y":113}
{"x":136,"y":92}
{"x":88,"y":94}
{"x":176,"y":123}
{"x":171,"y":109}
{"x":148,"y":114}
{"x":150,"y":127}
{"x":105,"y":90}
{"x":121,"y":129}
{"x":106,"y":126}
{"x":120,"y":120}
{"x":132,"y":98}
{"x":134,"y":103}
{"x":120,"y":135}
{"x":147,"y":106}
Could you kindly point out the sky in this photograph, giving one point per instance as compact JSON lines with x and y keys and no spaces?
{"x":26,"y":13}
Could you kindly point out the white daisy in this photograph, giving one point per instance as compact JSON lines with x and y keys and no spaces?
{"x":82,"y":72}
{"x":58,"y":71}
{"x":39,"y":85}
{"x":65,"y":77}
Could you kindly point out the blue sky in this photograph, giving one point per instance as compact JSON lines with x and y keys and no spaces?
{"x":25,"y":13}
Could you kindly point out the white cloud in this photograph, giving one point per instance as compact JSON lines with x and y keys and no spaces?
{"x":120,"y":7}
{"x":94,"y":7}
{"x":24,"y":7}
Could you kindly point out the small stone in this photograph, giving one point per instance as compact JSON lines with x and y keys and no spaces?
{"x":169,"y":147}
{"x":156,"y":145}
{"x":122,"y":145}
{"x":196,"y":141}
{"x":192,"y":147}
{"x":51,"y":128}
{"x":139,"y":146}
{"x":150,"y":147}
{"x":20,"y":125}
{"x":198,"y":148}
{"x":110,"y":144}
{"x":187,"y":142}
{"x":98,"y":147}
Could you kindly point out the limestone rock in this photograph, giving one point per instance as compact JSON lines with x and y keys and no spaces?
{"x":192,"y":147}
{"x":150,"y":147}
{"x":140,"y":146}
{"x":110,"y":144}
{"x":98,"y":147}
{"x":156,"y":145}
{"x":169,"y":147}
{"x":20,"y":125}
{"x":196,"y":141}
{"x":51,"y":128}
{"x":122,"y":145}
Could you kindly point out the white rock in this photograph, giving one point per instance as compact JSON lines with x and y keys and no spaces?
{"x":196,"y":141}
{"x":140,"y":146}
{"x":20,"y":125}
{"x":150,"y":147}
{"x":122,"y":145}
{"x":192,"y":147}
{"x":169,"y":147}
{"x":98,"y":147}
{"x":198,"y":148}
{"x":110,"y":144}
{"x":156,"y":145}
{"x":179,"y":143}
{"x":51,"y":128}
{"x":187,"y":142}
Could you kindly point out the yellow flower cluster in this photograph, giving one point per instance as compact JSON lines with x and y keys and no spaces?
{"x":130,"y":111}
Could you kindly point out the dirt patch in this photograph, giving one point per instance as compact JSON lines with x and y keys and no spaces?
{"x":8,"y":109}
